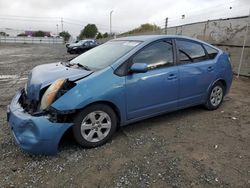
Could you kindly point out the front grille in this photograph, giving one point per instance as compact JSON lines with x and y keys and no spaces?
{"x":28,"y":105}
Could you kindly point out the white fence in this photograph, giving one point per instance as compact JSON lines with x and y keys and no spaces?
{"x":31,"y":40}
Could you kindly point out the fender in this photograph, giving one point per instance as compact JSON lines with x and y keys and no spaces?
{"x":92,"y":90}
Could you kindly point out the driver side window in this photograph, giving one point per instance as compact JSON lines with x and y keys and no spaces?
{"x":86,"y":43}
{"x":157,"y":55}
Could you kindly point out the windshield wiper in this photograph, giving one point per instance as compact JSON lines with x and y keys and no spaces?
{"x":66,"y":63}
{"x":83,"y":66}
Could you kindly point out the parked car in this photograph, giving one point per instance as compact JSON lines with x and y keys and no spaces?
{"x":67,"y":44}
{"x":81,"y":46}
{"x":122,"y":81}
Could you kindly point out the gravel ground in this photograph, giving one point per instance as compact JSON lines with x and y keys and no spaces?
{"x":188,"y":148}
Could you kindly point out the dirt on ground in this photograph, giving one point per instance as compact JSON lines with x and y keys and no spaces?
{"x":188,"y":148}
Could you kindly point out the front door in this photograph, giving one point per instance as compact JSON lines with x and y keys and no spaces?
{"x":156,"y":90}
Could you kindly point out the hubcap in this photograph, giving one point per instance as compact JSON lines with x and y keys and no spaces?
{"x":95,"y":126}
{"x":216,"y":96}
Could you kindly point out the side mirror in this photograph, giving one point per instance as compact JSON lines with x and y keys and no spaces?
{"x":139,"y":68}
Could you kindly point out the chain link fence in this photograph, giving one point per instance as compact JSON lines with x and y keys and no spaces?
{"x":31,"y":40}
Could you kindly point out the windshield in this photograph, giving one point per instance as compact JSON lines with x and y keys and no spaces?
{"x":104,"y":55}
{"x":81,"y":41}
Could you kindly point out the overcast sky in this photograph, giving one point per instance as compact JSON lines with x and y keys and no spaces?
{"x":128,"y":14}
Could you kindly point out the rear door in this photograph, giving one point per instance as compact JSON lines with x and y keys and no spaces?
{"x":197,"y":72}
{"x":156,"y":90}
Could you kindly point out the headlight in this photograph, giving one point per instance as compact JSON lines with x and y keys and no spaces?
{"x":50,"y":94}
{"x":25,"y":88}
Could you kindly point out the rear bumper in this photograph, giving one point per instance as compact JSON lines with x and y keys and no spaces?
{"x":34,"y":134}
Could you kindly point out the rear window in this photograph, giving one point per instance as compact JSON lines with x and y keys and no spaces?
{"x":212,"y":53}
{"x":190,"y":51}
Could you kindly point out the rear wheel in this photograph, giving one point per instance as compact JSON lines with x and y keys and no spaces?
{"x":94,"y":125}
{"x":215,"y":96}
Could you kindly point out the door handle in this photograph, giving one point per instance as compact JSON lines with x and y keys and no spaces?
{"x":172,"y":76}
{"x":210,"y":68}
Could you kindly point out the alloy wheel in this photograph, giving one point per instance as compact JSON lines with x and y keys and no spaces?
{"x":216,"y":95}
{"x":96,"y":126}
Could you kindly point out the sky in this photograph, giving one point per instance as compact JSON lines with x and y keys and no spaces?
{"x":127,"y":14}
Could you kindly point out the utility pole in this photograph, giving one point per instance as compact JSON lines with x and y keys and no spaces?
{"x":243,"y":47}
{"x":110,"y":17}
{"x":62,"y":23}
{"x":205,"y":29}
{"x":166,"y":26}
{"x":57,"y":29}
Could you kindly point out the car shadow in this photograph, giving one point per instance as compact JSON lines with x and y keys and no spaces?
{"x":68,"y":142}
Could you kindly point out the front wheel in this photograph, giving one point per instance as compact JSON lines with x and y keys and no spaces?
{"x":215,"y":96}
{"x":94,"y":125}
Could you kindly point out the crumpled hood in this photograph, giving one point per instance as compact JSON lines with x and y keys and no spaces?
{"x":43,"y":75}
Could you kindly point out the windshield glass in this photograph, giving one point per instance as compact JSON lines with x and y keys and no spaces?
{"x":81,"y":41}
{"x":104,"y":55}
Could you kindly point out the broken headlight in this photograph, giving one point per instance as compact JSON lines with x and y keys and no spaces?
{"x":51,"y":93}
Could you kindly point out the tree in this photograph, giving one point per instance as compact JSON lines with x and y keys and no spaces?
{"x":143,"y":28}
{"x":65,"y":35}
{"x":3,"y":34}
{"x":99,"y":36}
{"x":39,"y":34}
{"x":22,"y":35}
{"x":89,"y":31}
{"x":148,"y":27}
{"x":105,"y":35}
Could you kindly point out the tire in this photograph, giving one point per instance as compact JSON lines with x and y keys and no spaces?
{"x":69,"y":51}
{"x":215,"y":96}
{"x":94,"y":125}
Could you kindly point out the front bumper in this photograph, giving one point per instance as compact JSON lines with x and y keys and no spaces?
{"x":34,"y":134}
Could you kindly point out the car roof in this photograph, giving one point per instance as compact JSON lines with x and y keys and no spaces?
{"x":151,"y":38}
{"x":85,"y":40}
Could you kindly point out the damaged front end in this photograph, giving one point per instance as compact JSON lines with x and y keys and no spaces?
{"x":46,"y":83}
{"x":34,"y":133}
{"x":48,"y":95}
{"x":36,"y":126}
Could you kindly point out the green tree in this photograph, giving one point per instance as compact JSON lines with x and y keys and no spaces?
{"x":105,"y":35}
{"x":143,"y":28}
{"x":65,"y":35}
{"x":4,"y":34}
{"x":39,"y":34}
{"x":89,"y":31}
{"x":148,"y":27}
{"x":22,"y":35}
{"x":99,"y":36}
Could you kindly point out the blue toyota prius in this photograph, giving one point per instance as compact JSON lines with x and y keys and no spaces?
{"x":122,"y":81}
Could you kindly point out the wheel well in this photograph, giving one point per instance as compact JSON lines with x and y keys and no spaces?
{"x":111,"y":105}
{"x":68,"y":134}
{"x":223,"y":83}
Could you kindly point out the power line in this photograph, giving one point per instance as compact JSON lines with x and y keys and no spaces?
{"x":196,"y":15}
{"x":20,"y":19}
{"x":213,"y":12}
{"x":78,"y":22}
{"x":31,"y":17}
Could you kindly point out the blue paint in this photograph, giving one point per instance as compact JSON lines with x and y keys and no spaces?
{"x":34,"y":135}
{"x":43,"y":75}
{"x":135,"y":96}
